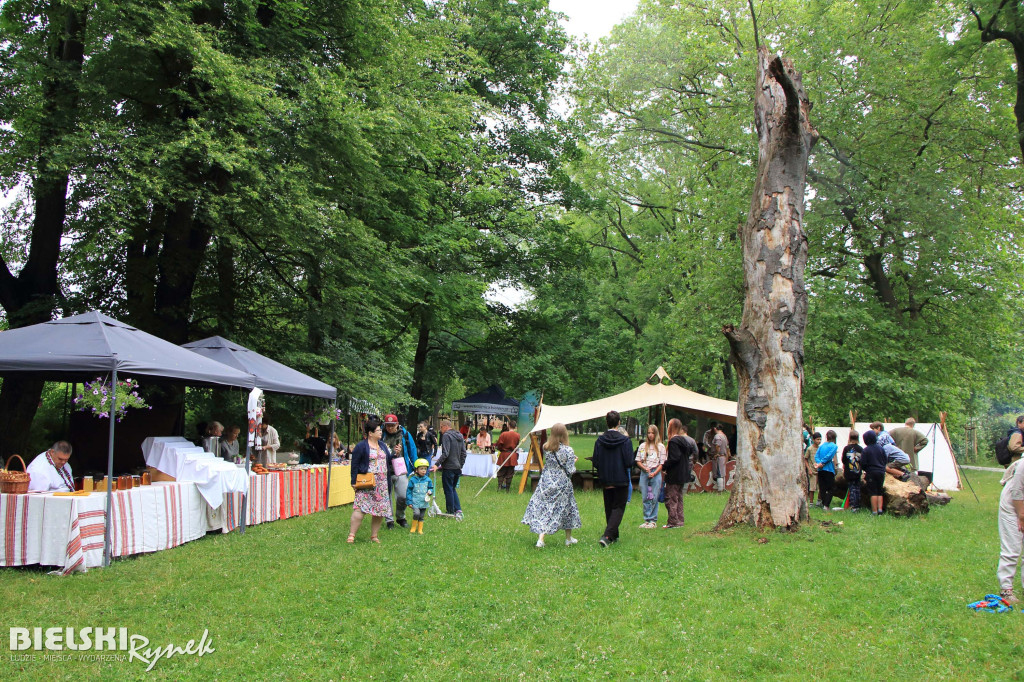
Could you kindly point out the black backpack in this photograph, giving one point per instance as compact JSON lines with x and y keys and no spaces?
{"x":1003,"y":455}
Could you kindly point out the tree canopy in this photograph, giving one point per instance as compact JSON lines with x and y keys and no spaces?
{"x":338,"y":185}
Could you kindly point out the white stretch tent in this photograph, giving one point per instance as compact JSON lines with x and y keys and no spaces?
{"x":644,"y":395}
{"x":936,"y":457}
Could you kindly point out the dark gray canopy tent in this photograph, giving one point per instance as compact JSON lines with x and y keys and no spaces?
{"x":269,"y":375}
{"x":490,"y":401}
{"x":82,"y":346}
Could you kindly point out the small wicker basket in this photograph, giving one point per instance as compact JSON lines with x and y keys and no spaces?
{"x":14,"y":482}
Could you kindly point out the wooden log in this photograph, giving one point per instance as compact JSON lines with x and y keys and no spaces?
{"x":903,"y":498}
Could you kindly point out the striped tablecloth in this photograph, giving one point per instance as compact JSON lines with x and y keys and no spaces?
{"x":67,"y":532}
{"x":264,"y":504}
{"x":302,"y":491}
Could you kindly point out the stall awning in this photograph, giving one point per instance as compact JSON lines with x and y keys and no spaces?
{"x":490,"y":401}
{"x":269,"y":375}
{"x":644,"y":395}
{"x":91,"y":344}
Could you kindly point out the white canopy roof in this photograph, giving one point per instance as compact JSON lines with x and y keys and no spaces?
{"x":644,"y":395}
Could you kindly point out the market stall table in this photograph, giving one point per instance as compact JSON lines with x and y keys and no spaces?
{"x":67,"y":531}
{"x":264,"y":503}
{"x":184,"y":461}
{"x":302,"y":490}
{"x":484,"y":466}
{"x":341,"y":486}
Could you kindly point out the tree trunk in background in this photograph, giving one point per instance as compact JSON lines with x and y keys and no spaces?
{"x":419,"y":364}
{"x":31,"y":297}
{"x":228,"y":290}
{"x":314,"y":304}
{"x":768,"y":348}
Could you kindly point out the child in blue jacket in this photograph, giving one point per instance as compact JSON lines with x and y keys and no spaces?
{"x":418,"y":495}
{"x":824,"y":461}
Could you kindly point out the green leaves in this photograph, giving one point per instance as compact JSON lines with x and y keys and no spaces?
{"x":911,"y":208}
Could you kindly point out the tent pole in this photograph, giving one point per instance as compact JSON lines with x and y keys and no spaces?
{"x":942,"y":423}
{"x":110,"y":468}
{"x":254,"y":425}
{"x":330,"y":446}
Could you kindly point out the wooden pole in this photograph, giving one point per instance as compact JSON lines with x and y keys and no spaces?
{"x":960,"y":471}
{"x":534,"y":458}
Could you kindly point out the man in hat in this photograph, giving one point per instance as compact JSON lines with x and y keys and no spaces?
{"x":403,"y":452}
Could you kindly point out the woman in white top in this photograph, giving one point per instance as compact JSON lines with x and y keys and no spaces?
{"x":650,"y":457}
{"x":271,"y":442}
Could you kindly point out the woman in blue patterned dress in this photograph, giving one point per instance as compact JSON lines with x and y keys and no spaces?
{"x":370,"y":455}
{"x":553,"y":506}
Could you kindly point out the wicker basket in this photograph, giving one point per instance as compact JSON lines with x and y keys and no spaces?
{"x":14,"y":482}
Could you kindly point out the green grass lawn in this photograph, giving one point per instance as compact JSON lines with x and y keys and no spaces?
{"x":874,"y":598}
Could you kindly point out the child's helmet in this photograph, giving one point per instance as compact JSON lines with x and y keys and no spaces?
{"x":420,"y":463}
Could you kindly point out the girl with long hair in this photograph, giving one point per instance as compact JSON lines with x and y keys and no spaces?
{"x":650,"y":457}
{"x":553,"y":505}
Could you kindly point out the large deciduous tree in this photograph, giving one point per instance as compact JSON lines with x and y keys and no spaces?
{"x":42,"y":72}
{"x":768,"y":347}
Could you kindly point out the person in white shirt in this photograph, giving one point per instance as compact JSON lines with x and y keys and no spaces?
{"x":271,"y":442}
{"x":1011,"y":529}
{"x":50,"y":470}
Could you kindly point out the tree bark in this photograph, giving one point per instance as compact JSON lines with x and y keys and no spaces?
{"x":1010,"y":29}
{"x":768,"y":347}
{"x":419,"y":365}
{"x":228,"y":290}
{"x":31,"y":297}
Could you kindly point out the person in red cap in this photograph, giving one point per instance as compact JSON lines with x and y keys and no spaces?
{"x":403,"y":453}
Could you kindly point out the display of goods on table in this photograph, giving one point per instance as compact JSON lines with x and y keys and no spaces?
{"x":14,"y":482}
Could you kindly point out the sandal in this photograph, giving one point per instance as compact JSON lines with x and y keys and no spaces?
{"x":351,"y":539}
{"x":374,"y":538}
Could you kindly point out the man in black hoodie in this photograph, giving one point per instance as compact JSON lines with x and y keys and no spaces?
{"x":613,"y":459}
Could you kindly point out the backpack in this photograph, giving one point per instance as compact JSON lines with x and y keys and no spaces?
{"x":1003,"y":455}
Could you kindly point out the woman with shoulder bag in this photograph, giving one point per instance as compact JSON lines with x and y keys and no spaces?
{"x":552,"y":506}
{"x":370,"y":480}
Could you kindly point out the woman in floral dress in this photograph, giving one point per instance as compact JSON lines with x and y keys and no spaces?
{"x":553,"y":506}
{"x":370,"y":455}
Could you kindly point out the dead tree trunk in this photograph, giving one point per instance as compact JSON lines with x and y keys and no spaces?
{"x":768,"y":347}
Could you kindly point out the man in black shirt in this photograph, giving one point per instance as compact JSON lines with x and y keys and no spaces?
{"x":613,"y":459}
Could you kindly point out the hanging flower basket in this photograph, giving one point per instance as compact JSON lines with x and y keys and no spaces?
{"x":321,"y":417}
{"x":96,"y":396}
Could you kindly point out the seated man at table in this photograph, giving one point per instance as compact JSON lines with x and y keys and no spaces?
{"x":50,"y":470}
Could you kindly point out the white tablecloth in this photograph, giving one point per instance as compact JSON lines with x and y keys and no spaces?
{"x":160,"y":452}
{"x":264,"y":503}
{"x":67,"y":532}
{"x":484,"y":466}
{"x":186,"y":462}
